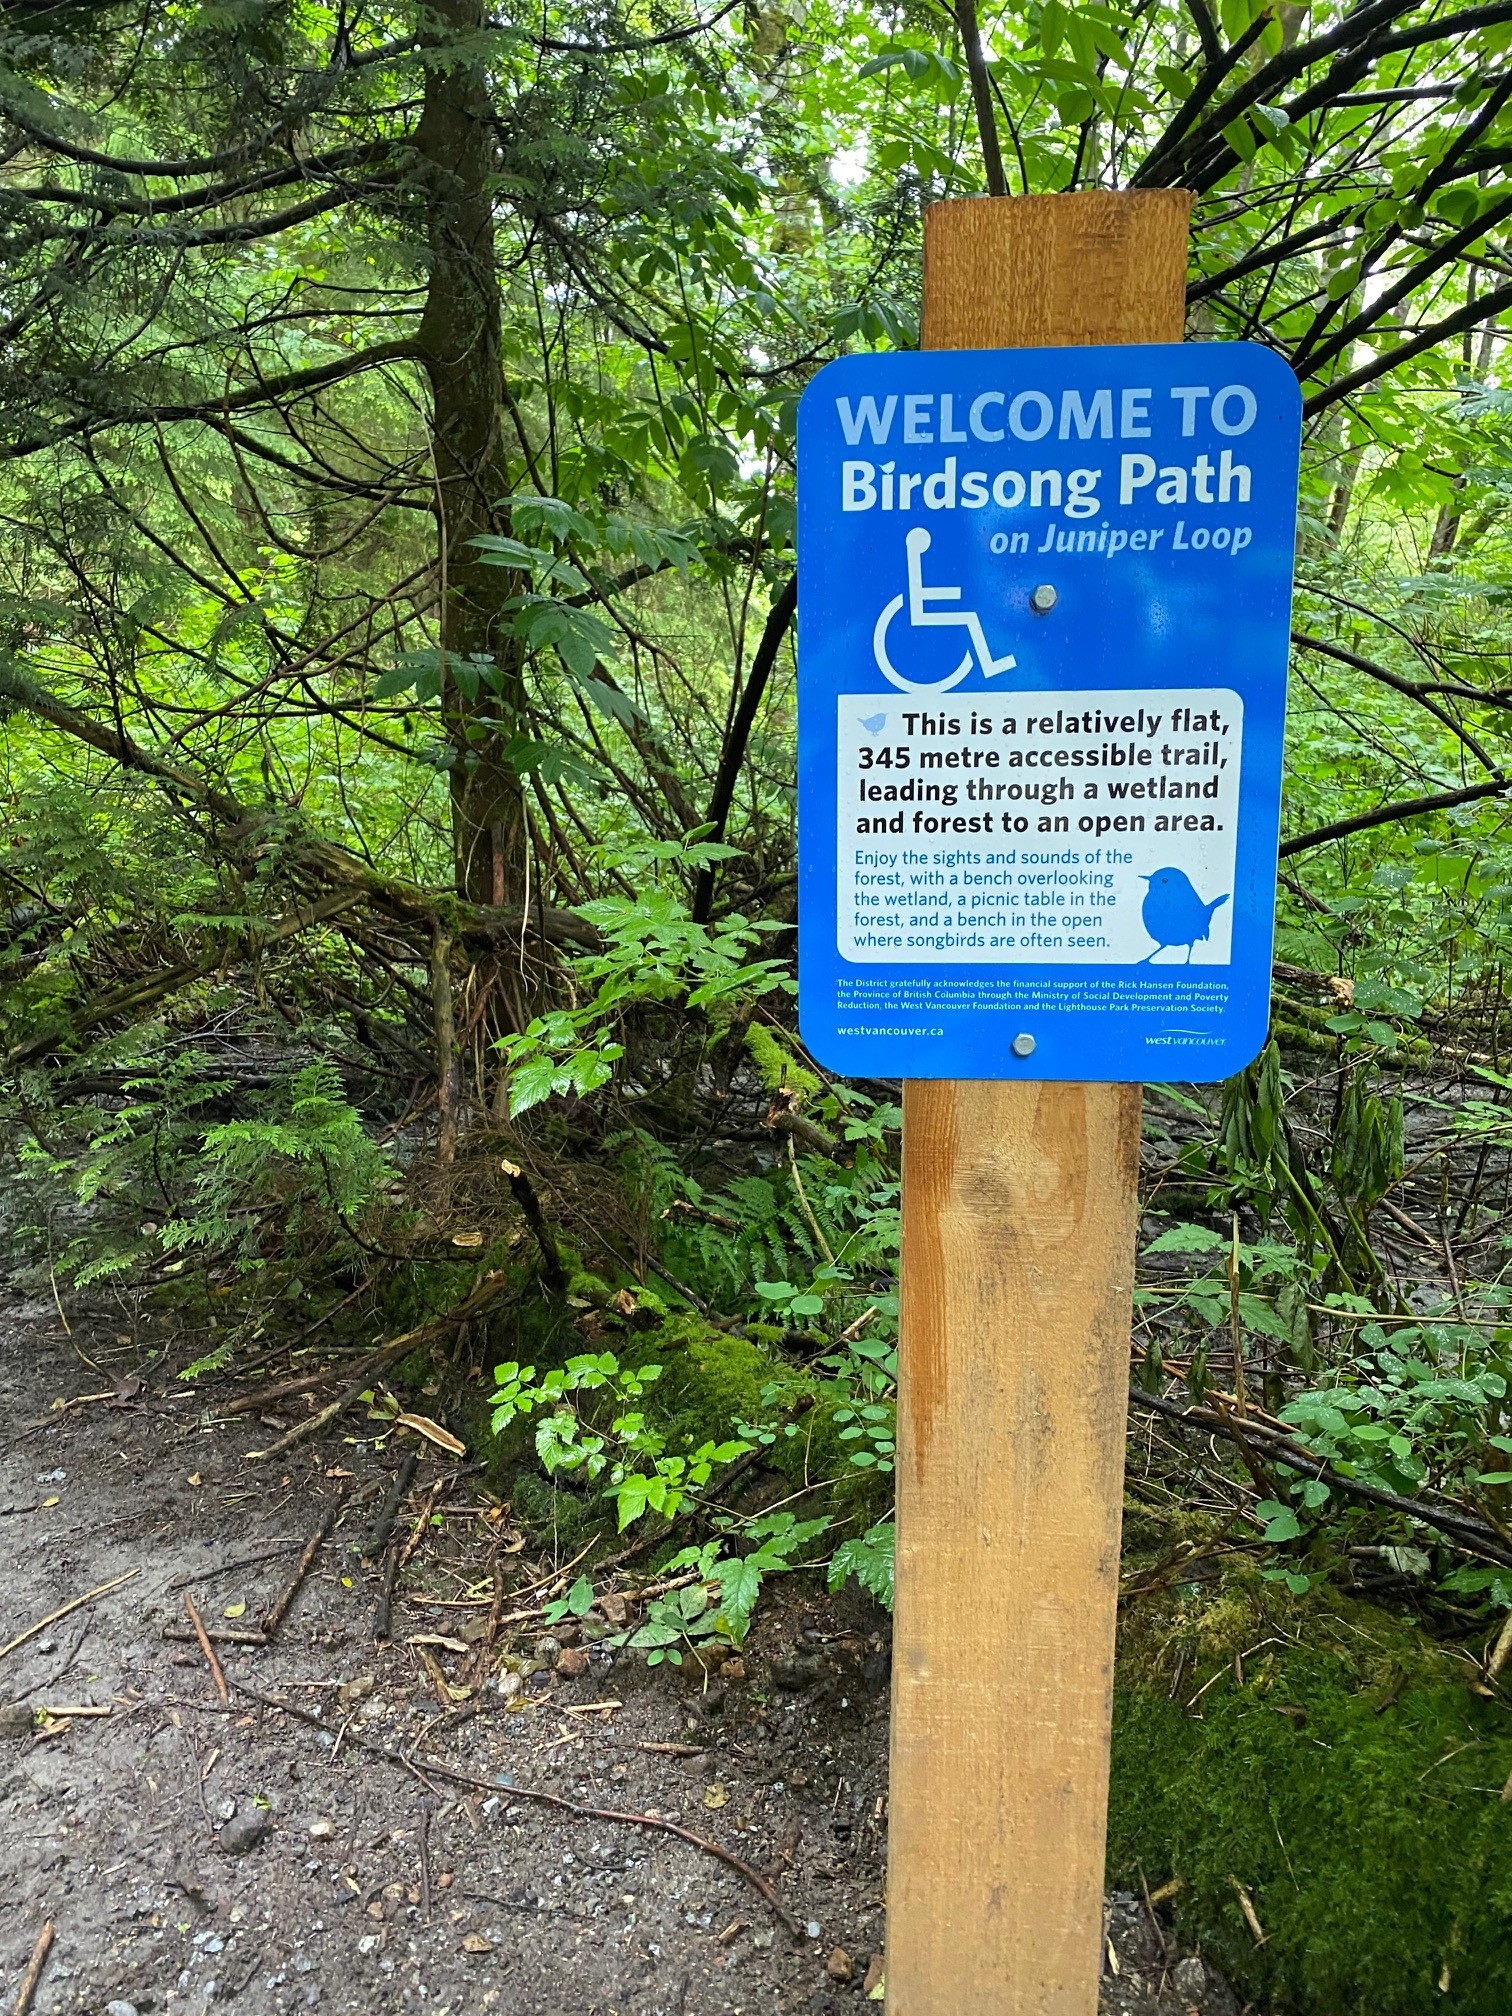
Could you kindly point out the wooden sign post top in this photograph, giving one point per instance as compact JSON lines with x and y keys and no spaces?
{"x":1093,"y":266}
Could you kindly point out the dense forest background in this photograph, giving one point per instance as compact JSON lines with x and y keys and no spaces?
{"x":396,"y":662}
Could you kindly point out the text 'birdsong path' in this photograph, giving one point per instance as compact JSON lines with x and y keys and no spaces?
{"x":1098,"y":828}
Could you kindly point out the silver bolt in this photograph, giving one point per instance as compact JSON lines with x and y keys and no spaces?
{"x":1023,"y":1046}
{"x":1043,"y":599}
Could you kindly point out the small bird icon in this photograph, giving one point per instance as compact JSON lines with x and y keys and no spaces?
{"x":873,"y":722}
{"x":1173,"y":913}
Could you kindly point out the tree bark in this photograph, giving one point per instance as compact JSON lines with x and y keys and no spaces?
{"x":460,"y":349}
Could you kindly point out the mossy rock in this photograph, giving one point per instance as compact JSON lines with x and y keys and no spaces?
{"x":1343,"y":1775}
{"x":711,"y":1379}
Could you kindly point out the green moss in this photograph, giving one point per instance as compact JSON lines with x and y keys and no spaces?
{"x":1349,"y":1782}
{"x":710,"y":1380}
{"x":779,"y":1069}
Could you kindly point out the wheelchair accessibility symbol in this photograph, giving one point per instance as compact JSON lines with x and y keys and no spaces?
{"x":924,"y":615}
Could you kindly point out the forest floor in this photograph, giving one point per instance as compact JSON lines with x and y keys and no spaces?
{"x":189,"y":1851}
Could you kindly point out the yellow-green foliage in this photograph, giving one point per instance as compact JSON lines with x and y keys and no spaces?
{"x":1349,"y":1781}
{"x":771,"y":1051}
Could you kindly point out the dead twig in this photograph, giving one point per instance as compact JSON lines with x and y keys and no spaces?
{"x":605,"y":1815}
{"x":207,"y":1648}
{"x":310,"y":1382}
{"x":288,"y":1345}
{"x":383,"y":1609}
{"x":483,"y":1651}
{"x":553,"y":1273}
{"x":417,"y":1532}
{"x":651,"y":1822}
{"x":232,"y":1567}
{"x":272,"y":1619}
{"x":1501,"y":1651}
{"x":217,"y":1634}
{"x":67,"y":1610}
{"x":383,"y":1525}
{"x":1474,"y":1536}
{"x":427,"y":1808}
{"x":1251,"y":1916}
{"x":34,"y":1968}
{"x":488,"y":1290}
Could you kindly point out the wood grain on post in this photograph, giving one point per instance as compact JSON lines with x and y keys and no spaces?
{"x":1020,"y":1208}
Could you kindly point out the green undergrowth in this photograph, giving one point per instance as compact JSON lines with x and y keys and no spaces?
{"x":1343,"y":1775}
{"x":712,"y":1385}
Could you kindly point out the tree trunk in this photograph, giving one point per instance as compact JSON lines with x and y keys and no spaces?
{"x":459,"y":339}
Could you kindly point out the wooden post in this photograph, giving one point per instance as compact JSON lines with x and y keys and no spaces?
{"x":1020,"y":1209}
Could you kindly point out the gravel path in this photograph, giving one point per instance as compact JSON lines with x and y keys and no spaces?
{"x":190,"y":1852}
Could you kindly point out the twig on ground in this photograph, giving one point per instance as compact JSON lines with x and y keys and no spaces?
{"x":218,"y":1634}
{"x":231,"y":1567}
{"x":272,"y":1619}
{"x":383,"y":1609}
{"x":417,"y":1532}
{"x":649,"y":1822}
{"x":383,"y":1525}
{"x":52,"y":1679}
{"x":427,"y":1808}
{"x":1501,"y":1651}
{"x":288,"y":1345}
{"x":483,"y":1651}
{"x":207,"y":1648}
{"x":33,"y":1972}
{"x":1247,"y":1906}
{"x":67,"y":1610}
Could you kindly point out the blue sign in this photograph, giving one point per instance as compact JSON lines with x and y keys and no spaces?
{"x":1043,"y":605}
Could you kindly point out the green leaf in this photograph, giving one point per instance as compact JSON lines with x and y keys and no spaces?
{"x":1188,"y":1239}
{"x":1281,"y":1523}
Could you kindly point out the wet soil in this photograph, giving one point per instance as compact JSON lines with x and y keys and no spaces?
{"x":379,"y":1849}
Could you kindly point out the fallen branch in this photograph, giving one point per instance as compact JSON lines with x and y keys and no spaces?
{"x":240,"y":828}
{"x":1473,"y":1535}
{"x":217,"y":1634}
{"x":272,"y":1619}
{"x":141,"y":994}
{"x":383,"y":1609}
{"x":311,"y":1382}
{"x":67,"y":1610}
{"x":378,"y":1533}
{"x":207,"y":1648}
{"x":488,"y":1290}
{"x":553,"y":1273}
{"x":34,"y":1968}
{"x":233,"y":1567}
{"x":419,"y":1764}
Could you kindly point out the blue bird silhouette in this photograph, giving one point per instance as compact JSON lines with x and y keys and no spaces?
{"x":1173,"y":913}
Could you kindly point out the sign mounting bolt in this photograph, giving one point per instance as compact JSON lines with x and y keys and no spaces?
{"x":1023,"y":1045}
{"x":1043,"y":599}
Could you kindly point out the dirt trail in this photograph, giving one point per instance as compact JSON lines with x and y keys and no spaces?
{"x":189,"y":1852}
